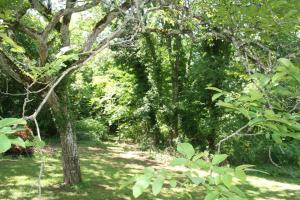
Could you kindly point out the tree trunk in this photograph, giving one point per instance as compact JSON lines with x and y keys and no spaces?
{"x":175,"y":86}
{"x":175,"y":76}
{"x":70,"y":156}
{"x":156,"y":84}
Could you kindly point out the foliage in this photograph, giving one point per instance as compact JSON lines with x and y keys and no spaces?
{"x":218,"y":181}
{"x":149,"y":85}
{"x":9,"y":126}
{"x":90,"y":129}
{"x":8,"y":137}
{"x":269,"y":102}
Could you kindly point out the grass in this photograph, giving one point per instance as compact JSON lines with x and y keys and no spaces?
{"x":105,"y":168}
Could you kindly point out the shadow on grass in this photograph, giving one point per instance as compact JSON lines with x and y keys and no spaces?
{"x":104,"y":168}
{"x":253,"y":192}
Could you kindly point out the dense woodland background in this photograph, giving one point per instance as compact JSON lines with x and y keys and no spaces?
{"x":222,"y":75}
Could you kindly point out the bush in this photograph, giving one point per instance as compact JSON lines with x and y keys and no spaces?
{"x":90,"y":129}
{"x":258,"y":151}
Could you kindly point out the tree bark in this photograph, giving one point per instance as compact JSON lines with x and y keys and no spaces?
{"x":175,"y":87}
{"x":175,"y":76}
{"x":70,"y":156}
{"x":156,"y":84}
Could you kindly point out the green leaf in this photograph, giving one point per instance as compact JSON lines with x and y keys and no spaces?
{"x":211,"y":195}
{"x":242,"y":167}
{"x":203,"y":164}
{"x":214,"y":88}
{"x":173,"y":183}
{"x":294,"y":135}
{"x":295,"y":126}
{"x":285,"y":62}
{"x":5,"y":143}
{"x":269,"y":114}
{"x":35,"y":143}
{"x":256,"y":121}
{"x":217,"y":180}
{"x":271,"y":125}
{"x":262,"y":78}
{"x":186,"y":149}
{"x":227,"y":180}
{"x":277,"y":138}
{"x":7,"y":130}
{"x":278,"y":76}
{"x":226,"y":105}
{"x":218,"y":158}
{"x":179,"y":162}
{"x":18,"y":141}
{"x":216,"y":96}
{"x":11,"y":121}
{"x":255,"y":95}
{"x":244,"y":98}
{"x":139,"y":187}
{"x":196,"y":180}
{"x":244,"y":112}
{"x":198,"y":156}
{"x":240,"y":174}
{"x":157,"y":185}
{"x":237,"y":191}
{"x":149,"y":171}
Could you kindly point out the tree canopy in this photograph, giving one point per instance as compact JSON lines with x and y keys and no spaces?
{"x":215,"y":76}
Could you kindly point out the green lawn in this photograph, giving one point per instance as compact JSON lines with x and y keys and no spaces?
{"x":104,"y":168}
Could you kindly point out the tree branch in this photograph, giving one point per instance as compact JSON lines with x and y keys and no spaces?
{"x":230,"y":136}
{"x":7,"y":65}
{"x":102,"y":24}
{"x":76,"y":65}
{"x":55,"y":19}
{"x":64,"y":30}
{"x":43,"y":47}
{"x":29,"y":31}
{"x":270,"y":157}
{"x":44,"y":11}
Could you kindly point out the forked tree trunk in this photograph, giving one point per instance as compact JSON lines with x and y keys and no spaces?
{"x":70,"y":157}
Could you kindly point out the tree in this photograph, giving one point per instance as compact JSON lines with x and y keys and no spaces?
{"x":55,"y":59}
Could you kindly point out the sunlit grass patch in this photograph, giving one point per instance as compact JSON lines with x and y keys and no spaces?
{"x":105,"y":167}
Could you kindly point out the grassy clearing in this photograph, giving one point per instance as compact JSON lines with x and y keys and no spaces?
{"x":105,"y":167}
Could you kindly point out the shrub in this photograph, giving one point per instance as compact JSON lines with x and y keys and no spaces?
{"x":90,"y":129}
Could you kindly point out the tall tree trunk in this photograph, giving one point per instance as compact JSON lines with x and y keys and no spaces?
{"x":156,"y":84}
{"x":175,"y":75}
{"x":70,"y":156}
{"x":175,"y":85}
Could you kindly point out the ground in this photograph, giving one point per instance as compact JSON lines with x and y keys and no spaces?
{"x":105,"y":167}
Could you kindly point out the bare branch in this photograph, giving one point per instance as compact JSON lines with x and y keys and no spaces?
{"x":37,"y":129}
{"x":270,"y":157}
{"x":296,"y":107}
{"x":103,"y":23}
{"x":26,"y":100}
{"x":55,"y":19}
{"x":24,"y":94}
{"x":230,"y":136}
